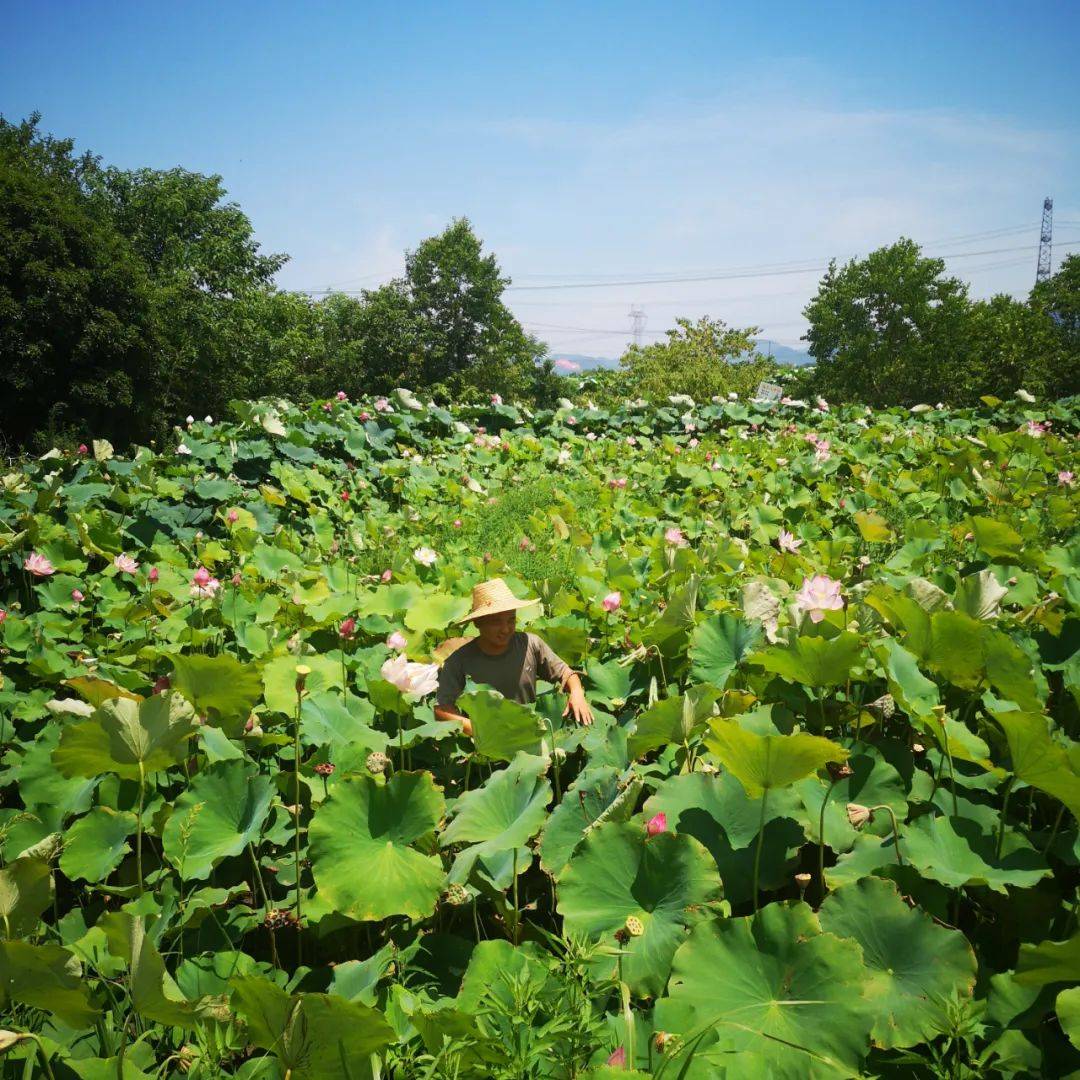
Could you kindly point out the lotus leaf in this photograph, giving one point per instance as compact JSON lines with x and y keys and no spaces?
{"x":718,"y":646}
{"x":218,"y":685}
{"x":502,"y":728}
{"x":44,"y":977}
{"x":813,"y":661}
{"x":95,"y":845}
{"x":26,"y":890}
{"x":360,"y":846}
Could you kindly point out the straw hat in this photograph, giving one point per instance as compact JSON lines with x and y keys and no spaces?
{"x":491,"y":597}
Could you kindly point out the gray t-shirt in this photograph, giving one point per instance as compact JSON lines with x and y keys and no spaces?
{"x":513,"y":673}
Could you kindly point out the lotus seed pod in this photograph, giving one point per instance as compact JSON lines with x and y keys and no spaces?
{"x":377,"y":763}
{"x":456,"y":895}
{"x":886,"y":705}
{"x":802,"y":880}
{"x":664,"y":1040}
{"x":634,"y":926}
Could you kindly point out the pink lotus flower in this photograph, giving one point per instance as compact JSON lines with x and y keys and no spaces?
{"x":693,"y":443}
{"x":327,"y":407}
{"x":3,"y":616}
{"x":234,"y":515}
{"x":818,"y":595}
{"x":206,"y":591}
{"x":457,"y":523}
{"x":1035,"y":429}
{"x":496,"y":399}
{"x":344,"y":496}
{"x":425,"y":556}
{"x":787,"y":542}
{"x":674,"y":536}
{"x":386,"y":575}
{"x":83,"y":448}
{"x":77,"y":596}
{"x":38,"y":565}
{"x":201,"y":576}
{"x":821,"y":405}
{"x":153,"y":575}
{"x":1065,"y":478}
{"x":612,"y":601}
{"x":365,"y":416}
{"x":382,"y":405}
{"x":571,"y":421}
{"x":821,"y":452}
{"x":347,"y":629}
{"x":125,"y":564}
{"x":342,"y":396}
{"x":410,"y":678}
{"x":656,"y":824}
{"x":618,"y":1058}
{"x":396,"y":641}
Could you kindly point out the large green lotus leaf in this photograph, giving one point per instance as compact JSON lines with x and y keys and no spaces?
{"x":912,"y":690}
{"x":216,"y":817}
{"x":313,"y":1036}
{"x":1049,"y":962}
{"x":717,"y":811}
{"x":620,"y":871}
{"x":1037,"y":759}
{"x":218,"y":686}
{"x":389,"y":599}
{"x":997,"y":539}
{"x":502,"y":728}
{"x":813,"y":661}
{"x":359,"y":845}
{"x":279,"y":680}
{"x":914,"y":965}
{"x":42,"y":784}
{"x":1067,"y":1008}
{"x":492,"y":963}
{"x":671,"y":720}
{"x":956,"y":852}
{"x":127,"y":737}
{"x":44,"y":977}
{"x":26,"y":890}
{"x":342,"y":727}
{"x":610,"y":682}
{"x":762,"y":762}
{"x":154,"y":993}
{"x":773,"y":984}
{"x":873,"y":782}
{"x":435,"y":611}
{"x":718,"y":646}
{"x":96,"y":844}
{"x":870,"y":855}
{"x":501,"y":816}
{"x":591,"y":794}
{"x":208,"y":975}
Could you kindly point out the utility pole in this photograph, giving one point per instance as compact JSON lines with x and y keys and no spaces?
{"x":638,"y":318}
{"x":1042,"y":273}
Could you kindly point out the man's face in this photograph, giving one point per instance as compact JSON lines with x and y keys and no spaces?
{"x":498,"y":629}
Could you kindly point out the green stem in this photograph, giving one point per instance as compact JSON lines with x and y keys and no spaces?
{"x":139,"y":828}
{"x":44,"y":1058}
{"x":1001,"y":820}
{"x":895,"y":829}
{"x":266,"y":901}
{"x":760,"y":844}
{"x":296,"y":818}
{"x":821,"y":840}
{"x":1054,"y":830}
{"x":517,"y":917}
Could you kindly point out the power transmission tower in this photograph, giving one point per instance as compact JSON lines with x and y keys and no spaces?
{"x":638,"y":318}
{"x":1045,"y":236}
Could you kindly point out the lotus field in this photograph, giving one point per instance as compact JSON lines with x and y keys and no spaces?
{"x":823,"y":825}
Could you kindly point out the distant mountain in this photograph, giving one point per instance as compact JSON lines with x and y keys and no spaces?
{"x":782,"y":354}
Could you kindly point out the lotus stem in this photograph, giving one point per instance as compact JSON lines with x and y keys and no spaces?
{"x":760,"y":844}
{"x":296,"y":813}
{"x":1004,"y":812}
{"x":266,"y":903}
{"x":517,"y":917}
{"x":821,"y":839}
{"x":139,"y":827}
{"x":895,"y":828}
{"x":1054,"y":830}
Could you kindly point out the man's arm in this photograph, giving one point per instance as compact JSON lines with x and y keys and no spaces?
{"x":577,"y":705}
{"x":451,"y":715}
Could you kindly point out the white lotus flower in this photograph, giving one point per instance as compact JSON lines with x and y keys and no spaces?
{"x":1023,"y":395}
{"x":409,"y":677}
{"x":425,"y":556}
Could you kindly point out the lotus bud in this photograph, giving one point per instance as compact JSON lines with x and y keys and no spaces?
{"x":153,"y":575}
{"x":237,"y":579}
{"x":618,"y":1059}
{"x":656,"y":824}
{"x":858,"y":815}
{"x":162,"y":684}
{"x":8,"y":1039}
{"x":634,"y":926}
{"x":377,"y":763}
{"x":838,"y":771}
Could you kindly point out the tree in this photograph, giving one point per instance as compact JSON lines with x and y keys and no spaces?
{"x":76,"y":305}
{"x":888,"y":329}
{"x":1058,"y":301}
{"x":468,"y":332}
{"x":701,"y":359}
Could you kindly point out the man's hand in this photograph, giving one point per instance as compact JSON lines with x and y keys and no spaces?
{"x":448,"y":715}
{"x":577,"y":705}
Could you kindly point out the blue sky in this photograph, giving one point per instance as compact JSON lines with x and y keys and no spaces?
{"x":588,"y":142}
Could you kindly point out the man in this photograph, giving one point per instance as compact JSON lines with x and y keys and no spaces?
{"x":505,"y":658}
